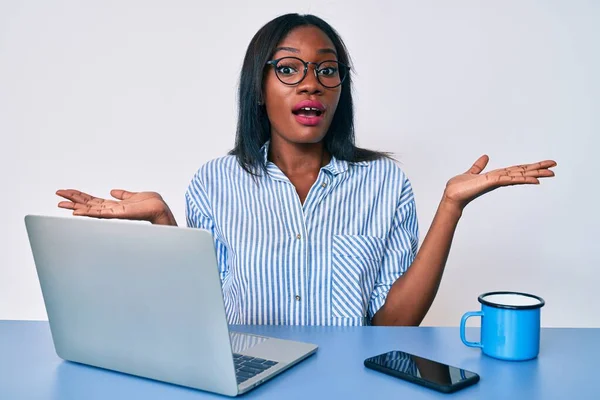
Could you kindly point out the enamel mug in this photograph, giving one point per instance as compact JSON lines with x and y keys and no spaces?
{"x":510,"y":325}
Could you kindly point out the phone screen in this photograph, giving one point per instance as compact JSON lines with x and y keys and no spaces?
{"x":422,"y":370}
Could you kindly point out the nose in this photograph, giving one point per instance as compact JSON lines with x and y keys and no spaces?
{"x":310,"y":84}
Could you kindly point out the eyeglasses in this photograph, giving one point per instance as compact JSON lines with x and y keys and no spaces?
{"x":292,"y":70}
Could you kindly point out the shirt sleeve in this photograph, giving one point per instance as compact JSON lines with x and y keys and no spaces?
{"x":199,"y":215}
{"x":400,"y":251}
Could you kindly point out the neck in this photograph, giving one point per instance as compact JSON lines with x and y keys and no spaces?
{"x":298,"y":158}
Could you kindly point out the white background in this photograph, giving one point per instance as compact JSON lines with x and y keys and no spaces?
{"x":139,"y":94}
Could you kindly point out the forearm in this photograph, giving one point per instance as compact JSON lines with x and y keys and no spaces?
{"x":412,"y":294}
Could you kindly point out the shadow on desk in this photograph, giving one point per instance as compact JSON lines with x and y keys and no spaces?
{"x":80,"y":381}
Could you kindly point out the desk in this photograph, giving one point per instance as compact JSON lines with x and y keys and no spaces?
{"x":566,"y":368}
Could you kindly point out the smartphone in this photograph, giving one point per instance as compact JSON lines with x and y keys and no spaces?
{"x":432,"y":374}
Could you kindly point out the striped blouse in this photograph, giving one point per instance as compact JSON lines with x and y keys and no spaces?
{"x":329,"y":261}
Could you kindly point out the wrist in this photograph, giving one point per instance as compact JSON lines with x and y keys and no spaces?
{"x":450,"y":207}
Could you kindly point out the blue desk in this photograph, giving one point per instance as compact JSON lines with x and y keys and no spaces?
{"x":566,"y":368}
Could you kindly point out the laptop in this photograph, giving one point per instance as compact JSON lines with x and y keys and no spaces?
{"x":146,"y":300}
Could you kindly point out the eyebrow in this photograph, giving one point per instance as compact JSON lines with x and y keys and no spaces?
{"x":294,"y":50}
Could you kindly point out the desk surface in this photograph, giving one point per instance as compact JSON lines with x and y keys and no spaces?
{"x":566,"y":367}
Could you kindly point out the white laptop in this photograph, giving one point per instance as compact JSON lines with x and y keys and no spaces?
{"x":146,"y":300}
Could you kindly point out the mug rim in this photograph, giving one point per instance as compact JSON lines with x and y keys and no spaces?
{"x":482,"y":300}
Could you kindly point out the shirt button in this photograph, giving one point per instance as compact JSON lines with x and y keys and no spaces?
{"x":324,"y":184}
{"x":297,"y":298}
{"x":298,"y":236}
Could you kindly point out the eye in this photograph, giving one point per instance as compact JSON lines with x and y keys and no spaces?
{"x":286,"y":69}
{"x":328,"y":71}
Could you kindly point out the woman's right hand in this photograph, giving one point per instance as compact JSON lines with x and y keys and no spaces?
{"x":141,"y":206}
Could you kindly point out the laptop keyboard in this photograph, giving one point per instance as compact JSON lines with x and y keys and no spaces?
{"x":246,"y":367}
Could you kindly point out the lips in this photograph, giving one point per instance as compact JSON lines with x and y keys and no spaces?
{"x":309,"y":112}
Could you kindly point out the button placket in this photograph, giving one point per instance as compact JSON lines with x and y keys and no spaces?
{"x":300,"y":278}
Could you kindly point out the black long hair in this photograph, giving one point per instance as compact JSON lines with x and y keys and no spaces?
{"x":254,"y":128}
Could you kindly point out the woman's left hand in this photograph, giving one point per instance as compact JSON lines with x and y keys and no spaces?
{"x":464,"y":188}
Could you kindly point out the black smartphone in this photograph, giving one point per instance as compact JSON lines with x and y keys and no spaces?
{"x":432,"y":374}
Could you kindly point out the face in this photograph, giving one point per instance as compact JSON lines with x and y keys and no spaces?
{"x":286,"y":105}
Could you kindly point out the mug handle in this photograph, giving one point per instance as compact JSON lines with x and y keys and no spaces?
{"x":463,"y":323}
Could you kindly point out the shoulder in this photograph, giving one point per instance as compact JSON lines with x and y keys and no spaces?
{"x":388,"y":176}
{"x":221,"y":172}
{"x":211,"y":174}
{"x":217,"y":168}
{"x":384,"y":169}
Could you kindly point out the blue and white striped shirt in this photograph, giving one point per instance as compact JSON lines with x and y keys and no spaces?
{"x":329,"y":261}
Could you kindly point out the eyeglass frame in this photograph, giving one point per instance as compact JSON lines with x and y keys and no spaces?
{"x":306,"y":64}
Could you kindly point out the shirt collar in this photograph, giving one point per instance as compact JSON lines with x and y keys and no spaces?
{"x":335,"y":166}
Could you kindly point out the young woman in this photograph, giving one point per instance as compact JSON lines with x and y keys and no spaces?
{"x":310,"y":229}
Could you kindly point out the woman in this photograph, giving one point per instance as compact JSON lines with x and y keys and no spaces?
{"x":309,"y":229}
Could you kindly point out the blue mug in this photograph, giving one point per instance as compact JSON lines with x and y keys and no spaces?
{"x":510,"y":325}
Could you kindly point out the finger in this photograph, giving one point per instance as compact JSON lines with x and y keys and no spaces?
{"x":509,"y":180}
{"x":97,"y":211}
{"x":79,"y":197}
{"x":92,"y":207}
{"x":67,"y":204}
{"x":68,"y":193}
{"x":479,"y":165}
{"x":93,"y":204}
{"x":542,"y":165}
{"x":530,"y":167}
{"x":121,"y":194}
{"x":538,"y":173}
{"x":526,"y":167}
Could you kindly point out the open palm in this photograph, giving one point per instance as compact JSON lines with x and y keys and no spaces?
{"x":464,"y":188}
{"x":144,"y":206}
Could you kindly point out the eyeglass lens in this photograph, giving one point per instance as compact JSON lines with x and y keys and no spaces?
{"x":290,"y":70}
